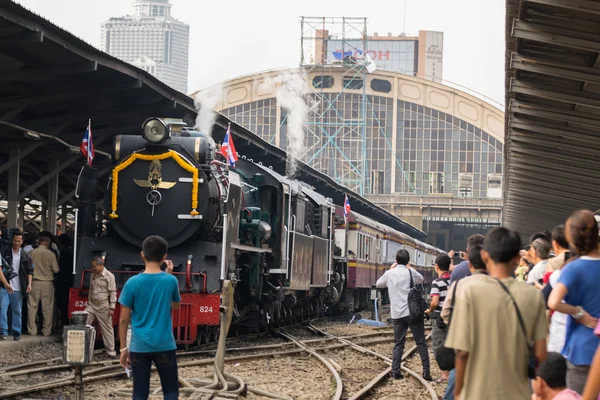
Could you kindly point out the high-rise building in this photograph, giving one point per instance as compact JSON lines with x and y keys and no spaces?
{"x":151,"y":40}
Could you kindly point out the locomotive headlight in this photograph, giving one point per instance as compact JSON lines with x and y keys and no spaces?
{"x":155,"y":130}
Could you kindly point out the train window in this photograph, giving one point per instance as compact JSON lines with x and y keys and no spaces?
{"x":322,"y":82}
{"x":380,"y":85}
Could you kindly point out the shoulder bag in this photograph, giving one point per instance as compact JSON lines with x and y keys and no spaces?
{"x":416,"y":304}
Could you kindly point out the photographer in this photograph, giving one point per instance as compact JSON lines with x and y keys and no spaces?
{"x":439,"y":290}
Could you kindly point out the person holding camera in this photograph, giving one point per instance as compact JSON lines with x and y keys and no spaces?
{"x":439,"y":290}
{"x":400,"y":280}
{"x":498,"y":327}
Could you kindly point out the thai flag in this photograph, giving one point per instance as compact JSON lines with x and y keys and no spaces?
{"x":346,"y":206}
{"x":228,"y":148}
{"x":87,"y":147}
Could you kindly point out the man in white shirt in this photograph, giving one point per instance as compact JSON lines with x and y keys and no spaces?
{"x":397,"y":281}
{"x":540,"y":253}
{"x":20,"y":284}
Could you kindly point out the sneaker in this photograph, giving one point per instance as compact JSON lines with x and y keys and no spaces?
{"x":427,"y":376}
{"x":16,"y":338}
{"x":396,"y":376}
{"x":3,"y":336}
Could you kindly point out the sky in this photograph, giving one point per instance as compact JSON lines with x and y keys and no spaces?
{"x":238,"y":37}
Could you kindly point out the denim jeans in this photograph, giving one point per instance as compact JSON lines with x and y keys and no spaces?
{"x":15,"y":300}
{"x":449,"y":395}
{"x":166,"y":365}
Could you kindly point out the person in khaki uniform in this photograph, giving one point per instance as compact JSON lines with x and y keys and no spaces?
{"x":42,"y":287}
{"x":101,"y":303}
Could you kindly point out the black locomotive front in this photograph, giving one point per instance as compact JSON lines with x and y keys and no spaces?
{"x":160,"y":184}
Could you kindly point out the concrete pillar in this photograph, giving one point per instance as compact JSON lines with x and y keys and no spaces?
{"x":13,"y":191}
{"x":52,"y":197}
{"x":21,"y":222}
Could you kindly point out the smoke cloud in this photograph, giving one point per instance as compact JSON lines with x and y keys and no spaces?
{"x":205,"y":102}
{"x":291,"y":90}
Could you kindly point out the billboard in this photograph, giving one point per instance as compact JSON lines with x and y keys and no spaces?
{"x":388,"y":55}
{"x":434,"y":52}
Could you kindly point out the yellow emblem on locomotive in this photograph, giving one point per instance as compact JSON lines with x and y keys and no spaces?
{"x":154,"y":178}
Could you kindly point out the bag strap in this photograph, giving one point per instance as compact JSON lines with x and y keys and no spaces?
{"x":412,"y":285}
{"x":452,"y":302}
{"x":521,"y":323}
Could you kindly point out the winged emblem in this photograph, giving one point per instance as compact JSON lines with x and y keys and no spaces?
{"x":154,"y":178}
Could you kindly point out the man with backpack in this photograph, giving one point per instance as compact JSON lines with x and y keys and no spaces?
{"x":439,"y":290}
{"x":407,"y":310}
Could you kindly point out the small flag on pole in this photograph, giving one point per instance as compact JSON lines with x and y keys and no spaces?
{"x":228,"y":148}
{"x":346,"y":206}
{"x":87,"y":147}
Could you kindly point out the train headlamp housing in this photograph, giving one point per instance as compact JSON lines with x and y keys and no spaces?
{"x":156,"y":131}
{"x":79,"y":340}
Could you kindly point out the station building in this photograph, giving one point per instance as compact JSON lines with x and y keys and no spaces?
{"x":429,"y":152}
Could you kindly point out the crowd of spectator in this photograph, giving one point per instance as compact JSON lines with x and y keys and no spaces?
{"x":509,"y":322}
{"x":34,"y":285}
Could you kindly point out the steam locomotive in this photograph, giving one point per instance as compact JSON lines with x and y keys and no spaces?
{"x":287,"y":249}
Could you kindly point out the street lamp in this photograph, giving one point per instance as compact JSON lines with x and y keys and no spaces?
{"x":78,"y":347}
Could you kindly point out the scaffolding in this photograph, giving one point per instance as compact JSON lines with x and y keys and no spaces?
{"x":336,"y":134}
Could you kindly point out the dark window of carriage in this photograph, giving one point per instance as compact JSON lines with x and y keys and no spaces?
{"x":380,"y":85}
{"x":353,"y":83}
{"x":322,"y":82}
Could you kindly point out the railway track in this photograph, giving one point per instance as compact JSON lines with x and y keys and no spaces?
{"x":347,"y":343}
{"x":110,"y":370}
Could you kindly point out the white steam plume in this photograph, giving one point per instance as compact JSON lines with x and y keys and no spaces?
{"x":205,"y":102}
{"x":291,"y":90}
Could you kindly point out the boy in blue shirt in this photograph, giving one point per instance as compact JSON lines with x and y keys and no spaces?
{"x":146,"y":302}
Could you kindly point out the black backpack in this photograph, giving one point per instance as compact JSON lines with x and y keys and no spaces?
{"x":416,"y":304}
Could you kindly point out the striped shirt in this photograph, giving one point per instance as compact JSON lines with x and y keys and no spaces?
{"x":439,"y":287}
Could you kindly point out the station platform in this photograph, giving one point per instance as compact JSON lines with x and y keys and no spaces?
{"x":9,"y":344}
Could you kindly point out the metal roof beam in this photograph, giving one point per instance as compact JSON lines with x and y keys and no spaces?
{"x":23,"y":153}
{"x":549,"y":154}
{"x":557,"y":36}
{"x":73,"y":94}
{"x":563,"y":146}
{"x":559,"y":171}
{"x":21,"y":38}
{"x":590,"y":75}
{"x":556,"y":132}
{"x":586,"y":6}
{"x":118,"y":111}
{"x":86,"y":51}
{"x":557,"y":114}
{"x":57,"y":170}
{"x":561,"y":95}
{"x":32,"y":75}
{"x":544,"y":184}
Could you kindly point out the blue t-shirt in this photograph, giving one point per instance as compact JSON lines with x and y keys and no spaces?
{"x":460,"y":271}
{"x":581,"y":278}
{"x":149,"y":296}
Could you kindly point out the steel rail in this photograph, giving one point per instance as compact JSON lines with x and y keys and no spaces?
{"x":339,"y":386}
{"x":375,"y":381}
